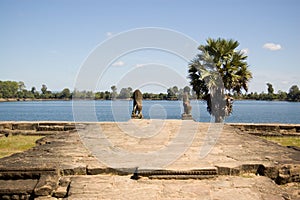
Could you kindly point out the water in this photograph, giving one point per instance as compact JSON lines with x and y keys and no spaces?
{"x":243,"y":111}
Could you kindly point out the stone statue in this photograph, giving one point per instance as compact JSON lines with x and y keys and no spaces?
{"x":137,"y":105}
{"x":187,"y":107}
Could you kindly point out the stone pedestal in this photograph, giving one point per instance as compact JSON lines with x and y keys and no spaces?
{"x":133,"y":116}
{"x":186,"y":117}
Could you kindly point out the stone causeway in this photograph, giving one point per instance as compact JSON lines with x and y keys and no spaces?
{"x":204,"y":161}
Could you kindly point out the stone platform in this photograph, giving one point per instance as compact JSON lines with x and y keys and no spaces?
{"x":205,"y":162}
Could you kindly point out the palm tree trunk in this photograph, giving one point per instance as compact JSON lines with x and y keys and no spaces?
{"x":219,"y":119}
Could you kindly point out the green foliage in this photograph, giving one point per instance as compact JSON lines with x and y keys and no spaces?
{"x":218,"y":72}
{"x":16,"y":90}
{"x":99,"y":95}
{"x":152,"y":96}
{"x":83,"y":94}
{"x":187,"y":89}
{"x":65,"y":94}
{"x":270,"y":88}
{"x":281,"y":95}
{"x":125,"y":93}
{"x":21,"y":85}
{"x":9,"y":89}
{"x":172,"y":93}
{"x":294,"y":93}
{"x":44,"y":89}
{"x":114,"y":93}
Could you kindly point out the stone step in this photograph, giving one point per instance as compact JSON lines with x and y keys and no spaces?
{"x":19,"y":187}
{"x":182,"y":177}
{"x":203,"y":172}
{"x":176,"y":174}
{"x":26,"y":172}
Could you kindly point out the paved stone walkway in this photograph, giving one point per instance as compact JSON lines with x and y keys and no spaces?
{"x":221,"y":188}
{"x":186,"y":145}
{"x":172,"y":145}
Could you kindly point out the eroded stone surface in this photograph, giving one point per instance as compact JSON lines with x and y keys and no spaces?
{"x":233,"y":153}
{"x":17,"y":186}
{"x":223,"y":187}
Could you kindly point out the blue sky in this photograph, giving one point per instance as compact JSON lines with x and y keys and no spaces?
{"x":46,"y":42}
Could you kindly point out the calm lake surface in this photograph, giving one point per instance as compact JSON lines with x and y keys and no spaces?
{"x":243,"y":111}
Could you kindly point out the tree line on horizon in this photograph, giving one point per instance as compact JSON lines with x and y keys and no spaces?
{"x":17,"y":90}
{"x":292,"y":95}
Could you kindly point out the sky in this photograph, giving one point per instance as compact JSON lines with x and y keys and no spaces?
{"x":49,"y":41}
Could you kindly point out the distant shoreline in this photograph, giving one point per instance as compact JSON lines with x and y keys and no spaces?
{"x":129,"y":99}
{"x":16,"y":100}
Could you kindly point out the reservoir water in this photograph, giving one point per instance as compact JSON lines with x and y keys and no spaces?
{"x":243,"y":111}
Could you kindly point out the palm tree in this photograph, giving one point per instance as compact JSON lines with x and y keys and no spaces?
{"x":217,"y":72}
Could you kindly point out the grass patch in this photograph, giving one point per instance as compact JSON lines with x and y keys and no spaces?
{"x":13,"y":144}
{"x":285,"y":140}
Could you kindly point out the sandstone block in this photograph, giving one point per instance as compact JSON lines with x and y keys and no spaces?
{"x":46,"y":185}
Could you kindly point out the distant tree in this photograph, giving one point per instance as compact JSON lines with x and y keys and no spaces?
{"x":294,"y":93}
{"x":281,"y":95}
{"x":65,"y":94}
{"x":180,"y":93}
{"x":252,"y":95}
{"x":107,"y":95}
{"x":8,"y":89}
{"x":218,"y":71}
{"x":89,"y":95}
{"x":99,"y":95}
{"x":187,"y":89}
{"x":22,"y":93}
{"x":175,"y":90}
{"x":21,"y":85}
{"x":76,"y":94}
{"x":28,"y":94}
{"x":146,"y":95}
{"x":114,"y":93}
{"x":44,"y":89}
{"x":125,"y":93}
{"x":270,"y":96}
{"x":172,"y":93}
{"x":270,"y":88}
{"x":162,"y":96}
{"x":130,"y":91}
{"x":33,"y":90}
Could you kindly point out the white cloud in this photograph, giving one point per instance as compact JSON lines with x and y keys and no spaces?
{"x":118,"y":64}
{"x":245,"y":51}
{"x":109,"y":34}
{"x":272,"y":46}
{"x":140,"y":65}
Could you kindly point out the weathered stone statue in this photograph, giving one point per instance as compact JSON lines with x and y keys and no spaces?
{"x":137,"y":105}
{"x":187,"y":107}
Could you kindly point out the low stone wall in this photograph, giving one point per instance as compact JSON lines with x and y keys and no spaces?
{"x":268,"y":129}
{"x":38,"y":126}
{"x":34,"y":128}
{"x":50,"y":127}
{"x":24,"y":183}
